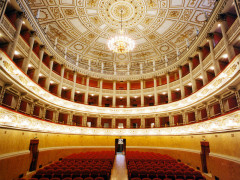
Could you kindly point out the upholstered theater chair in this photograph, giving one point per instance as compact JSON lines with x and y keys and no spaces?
{"x":78,"y":178}
{"x":99,"y":178}
{"x":146,"y":179}
{"x":76,"y":173}
{"x":136,"y":178}
{"x":44,"y":179}
{"x":152,"y":174}
{"x":88,"y":178}
{"x":67,"y":178}
{"x":104,"y":173}
{"x":86,"y":173}
{"x":95,"y":173}
{"x":67,"y":173}
{"x":39,"y":173}
{"x":49,"y":173}
{"x":55,"y":179}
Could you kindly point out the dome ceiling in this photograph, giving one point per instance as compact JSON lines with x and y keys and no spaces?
{"x":159,"y":27}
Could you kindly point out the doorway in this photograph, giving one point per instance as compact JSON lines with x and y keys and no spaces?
{"x":120,"y":146}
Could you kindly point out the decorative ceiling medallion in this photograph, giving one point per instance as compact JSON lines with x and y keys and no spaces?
{"x":133,"y":12}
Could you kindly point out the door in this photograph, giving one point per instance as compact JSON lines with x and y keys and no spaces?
{"x":34,"y":152}
{"x":205,"y":150}
{"x":120,"y":146}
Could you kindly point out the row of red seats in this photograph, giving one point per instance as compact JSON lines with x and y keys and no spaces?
{"x":93,"y":164}
{"x":163,"y":168}
{"x":78,"y":178}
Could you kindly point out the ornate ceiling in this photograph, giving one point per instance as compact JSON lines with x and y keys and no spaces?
{"x":159,"y":27}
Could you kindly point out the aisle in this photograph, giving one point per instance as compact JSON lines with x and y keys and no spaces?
{"x":119,"y":171}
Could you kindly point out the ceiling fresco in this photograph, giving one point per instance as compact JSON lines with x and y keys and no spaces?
{"x":158,"y":27}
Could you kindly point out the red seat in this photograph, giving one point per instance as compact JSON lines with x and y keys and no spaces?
{"x":104,"y":174}
{"x":67,"y":173}
{"x":43,"y":179}
{"x":76,"y":173}
{"x":55,"y":179}
{"x":86,"y":173}
{"x":88,"y":178}
{"x":78,"y":178}
{"x":99,"y":178}
{"x":58,"y":173}
{"x":39,"y":173}
{"x":95,"y":173}
{"x":67,"y":178}
{"x":136,"y":178}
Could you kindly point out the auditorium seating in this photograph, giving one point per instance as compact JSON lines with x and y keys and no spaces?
{"x":155,"y":166}
{"x":82,"y":166}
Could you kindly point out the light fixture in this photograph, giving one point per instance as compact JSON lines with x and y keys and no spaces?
{"x":225,"y":56}
{"x":106,"y":96}
{"x":200,"y":77}
{"x":164,"y":93}
{"x":23,"y":22}
{"x":121,"y":43}
{"x":189,"y":84}
{"x":64,"y":87}
{"x":92,"y":94}
{"x":40,"y":75}
{"x":177,"y":89}
{"x":212,"y":68}
{"x":219,"y":25}
{"x":51,"y":82}
{"x":29,"y":65}
{"x":135,"y":96}
{"x":16,"y":52}
{"x":149,"y":95}
{"x":121,"y":97}
{"x":78,"y":92}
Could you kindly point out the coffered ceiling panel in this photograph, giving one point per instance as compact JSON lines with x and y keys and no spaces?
{"x":159,"y":28}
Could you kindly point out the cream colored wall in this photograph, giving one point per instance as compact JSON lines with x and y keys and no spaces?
{"x":55,"y":146}
{"x":221,"y":143}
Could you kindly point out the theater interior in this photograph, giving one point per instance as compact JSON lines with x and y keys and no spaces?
{"x":119,"y":89}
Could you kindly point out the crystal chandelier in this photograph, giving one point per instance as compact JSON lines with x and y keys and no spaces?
{"x":121,"y":43}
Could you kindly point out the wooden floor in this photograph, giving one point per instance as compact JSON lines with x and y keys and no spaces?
{"x":119,"y":171}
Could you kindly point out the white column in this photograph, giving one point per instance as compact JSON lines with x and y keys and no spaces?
{"x":220,"y":103}
{"x":142,"y":122}
{"x":128,"y":69}
{"x":114,"y":94}
{"x":115,"y":68}
{"x":142,"y":96}
{"x":180,"y":80}
{"x":128,"y":122}
{"x":47,"y":83}
{"x":55,"y":43}
{"x":99,"y":118}
{"x":70,"y":118}
{"x":27,"y":59}
{"x":155,"y":91}
{"x":100,"y":92}
{"x":214,"y":61}
{"x":156,"y":121}
{"x":4,"y":88}
{"x":141,"y":68}
{"x":86,"y":92}
{"x":184,"y":117}
{"x":84,"y":120}
{"x":171,"y":120}
{"x":12,"y":46}
{"x":59,"y":92}
{"x":154,"y":65}
{"x":168,"y":88}
{"x":224,"y":28}
{"x":114,"y":122}
{"x":3,"y":7}
{"x":89,"y":65}
{"x":128,"y":93}
{"x":194,"y":88}
{"x":74,"y":85}
{"x":203,"y":73}
{"x":102,"y":67}
{"x":37,"y":71}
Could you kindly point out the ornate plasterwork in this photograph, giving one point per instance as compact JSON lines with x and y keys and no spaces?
{"x":229,"y":75}
{"x":158,"y":27}
{"x":11,"y":119}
